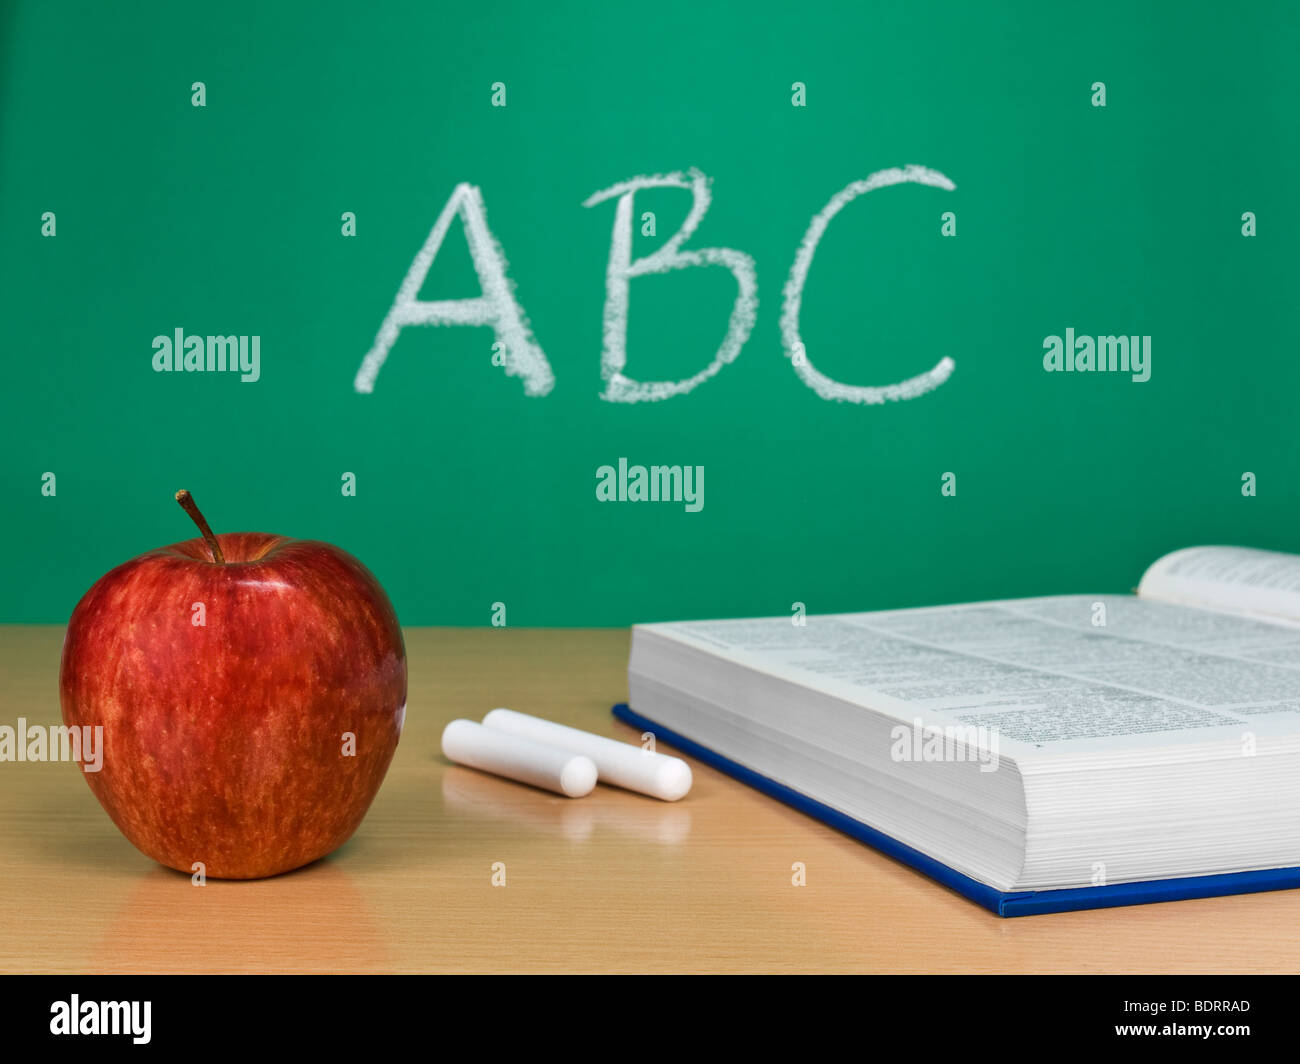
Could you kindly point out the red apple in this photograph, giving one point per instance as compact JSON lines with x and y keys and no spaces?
{"x":253,"y":742}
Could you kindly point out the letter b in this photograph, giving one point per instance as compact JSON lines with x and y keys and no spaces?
{"x":621,"y":269}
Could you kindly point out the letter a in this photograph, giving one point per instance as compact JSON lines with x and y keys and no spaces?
{"x":621,"y":269}
{"x":496,"y":307}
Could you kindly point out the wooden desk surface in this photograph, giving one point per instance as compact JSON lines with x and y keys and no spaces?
{"x":609,"y":883}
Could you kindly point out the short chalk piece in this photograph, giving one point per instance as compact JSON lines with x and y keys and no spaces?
{"x":520,"y":758}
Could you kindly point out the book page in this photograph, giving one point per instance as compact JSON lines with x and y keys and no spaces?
{"x":1058,"y":676}
{"x":1242,"y":580}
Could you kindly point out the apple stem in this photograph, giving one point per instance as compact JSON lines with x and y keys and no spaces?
{"x":188,"y":505}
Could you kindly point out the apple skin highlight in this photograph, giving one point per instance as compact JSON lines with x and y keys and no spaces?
{"x":224,"y":743}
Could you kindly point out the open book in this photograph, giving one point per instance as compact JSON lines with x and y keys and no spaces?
{"x":1069,"y":744}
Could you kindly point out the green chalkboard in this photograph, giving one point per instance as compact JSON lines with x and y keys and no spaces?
{"x":272,"y":171}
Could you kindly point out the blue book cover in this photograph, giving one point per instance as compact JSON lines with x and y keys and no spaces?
{"x":1017,"y":903}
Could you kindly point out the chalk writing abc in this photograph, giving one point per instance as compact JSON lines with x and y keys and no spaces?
{"x":522,"y":354}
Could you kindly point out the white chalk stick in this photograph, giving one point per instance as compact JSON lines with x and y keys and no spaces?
{"x":516,"y":757}
{"x":622,"y":764}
